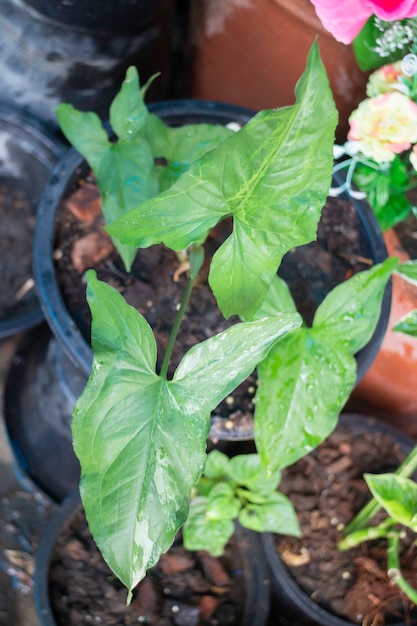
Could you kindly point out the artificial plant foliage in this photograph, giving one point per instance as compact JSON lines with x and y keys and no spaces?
{"x":140,"y":438}
{"x":292,"y":414}
{"x":272,"y":177}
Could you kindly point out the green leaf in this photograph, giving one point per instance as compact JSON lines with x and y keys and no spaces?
{"x":408,"y":271}
{"x":397,"y":495}
{"x":184,"y":144}
{"x":128,"y":112}
{"x":407,"y":324}
{"x":272,"y":176}
{"x":217,"y":465}
{"x":141,"y":439}
{"x":277,"y":515}
{"x":350,"y":312}
{"x":248,"y":470}
{"x":222,"y":502}
{"x":278,"y":299}
{"x":203,"y":533}
{"x":292,"y":413}
{"x":85,"y":132}
{"x":124,"y":171}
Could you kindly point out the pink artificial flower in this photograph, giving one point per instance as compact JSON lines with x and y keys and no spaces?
{"x":345,"y":18}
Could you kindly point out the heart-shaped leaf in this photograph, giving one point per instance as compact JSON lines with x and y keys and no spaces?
{"x":141,"y":439}
{"x":272,"y":176}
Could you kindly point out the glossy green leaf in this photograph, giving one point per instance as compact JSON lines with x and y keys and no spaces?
{"x":203,"y":533}
{"x":278,"y":299}
{"x":272,"y":176}
{"x":222,"y":502}
{"x":277,"y":515}
{"x":141,"y":439}
{"x":217,"y":465}
{"x":248,"y":470}
{"x":124,"y":170}
{"x":407,"y":324}
{"x":350,"y":312}
{"x":397,"y":495}
{"x":292,"y":413}
{"x":408,"y":270}
{"x":128,"y":112}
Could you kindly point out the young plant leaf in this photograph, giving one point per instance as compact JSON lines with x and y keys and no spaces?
{"x":276,"y":515}
{"x":202,"y":533}
{"x":124,"y":171}
{"x":272,"y":176}
{"x":407,"y":324}
{"x":408,"y":271}
{"x":141,"y":439}
{"x":350,"y":312}
{"x":249,"y":471}
{"x":217,"y":465}
{"x":397,"y":495}
{"x":180,"y":146}
{"x":222,"y":502}
{"x":292,"y":413}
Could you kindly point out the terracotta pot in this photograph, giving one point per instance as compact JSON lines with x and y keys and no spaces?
{"x":252,"y":53}
{"x":390,"y":386}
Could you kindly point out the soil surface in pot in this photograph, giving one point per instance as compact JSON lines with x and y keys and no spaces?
{"x":17,"y":215}
{"x":327,"y":490}
{"x":183,"y":589}
{"x":157,"y":280}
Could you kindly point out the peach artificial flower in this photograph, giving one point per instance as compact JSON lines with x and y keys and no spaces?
{"x":384,"y":80}
{"x":384,"y":126}
{"x":344,"y":19}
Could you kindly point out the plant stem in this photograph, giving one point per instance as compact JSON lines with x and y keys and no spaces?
{"x":366,"y":534}
{"x":407,"y":467}
{"x":394,"y":571}
{"x":196,"y":256}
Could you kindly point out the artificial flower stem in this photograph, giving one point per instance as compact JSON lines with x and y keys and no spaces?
{"x":196,"y":256}
{"x":407,"y":467}
{"x":394,"y":571}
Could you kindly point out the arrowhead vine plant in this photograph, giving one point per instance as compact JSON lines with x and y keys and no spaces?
{"x":396,"y":494}
{"x":141,"y":435}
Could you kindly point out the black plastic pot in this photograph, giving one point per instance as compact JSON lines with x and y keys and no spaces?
{"x":255,"y":592}
{"x":78,"y":52}
{"x":28,"y":154}
{"x":41,"y":389}
{"x":287,"y":598}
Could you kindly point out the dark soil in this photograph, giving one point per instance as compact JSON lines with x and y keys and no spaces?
{"x":183,"y":589}
{"x":17,"y":218}
{"x":327,"y":490}
{"x":406,"y":232}
{"x":156,"y":282}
